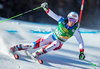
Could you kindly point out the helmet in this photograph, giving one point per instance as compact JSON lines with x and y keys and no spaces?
{"x":73,"y":15}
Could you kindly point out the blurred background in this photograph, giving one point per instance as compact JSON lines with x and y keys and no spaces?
{"x":90,"y":18}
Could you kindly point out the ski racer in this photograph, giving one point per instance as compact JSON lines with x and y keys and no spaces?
{"x":67,"y":27}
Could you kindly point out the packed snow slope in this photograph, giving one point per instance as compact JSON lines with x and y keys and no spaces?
{"x":17,"y":32}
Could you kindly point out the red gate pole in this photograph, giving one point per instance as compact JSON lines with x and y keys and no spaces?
{"x":80,"y":17}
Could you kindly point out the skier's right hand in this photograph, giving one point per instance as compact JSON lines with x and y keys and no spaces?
{"x":44,"y":5}
{"x":81,"y":56}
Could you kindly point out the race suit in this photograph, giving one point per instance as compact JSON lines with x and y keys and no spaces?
{"x":55,"y":40}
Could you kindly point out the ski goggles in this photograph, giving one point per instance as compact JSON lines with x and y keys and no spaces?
{"x":73,"y":20}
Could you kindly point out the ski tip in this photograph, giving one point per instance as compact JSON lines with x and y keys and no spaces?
{"x":40,"y":61}
{"x":16,"y":56}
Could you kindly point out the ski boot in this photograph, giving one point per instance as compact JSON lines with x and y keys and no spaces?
{"x":36,"y":55}
{"x":13,"y":50}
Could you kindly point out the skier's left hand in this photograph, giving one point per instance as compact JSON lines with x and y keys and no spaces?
{"x":44,"y":5}
{"x":81,"y":56}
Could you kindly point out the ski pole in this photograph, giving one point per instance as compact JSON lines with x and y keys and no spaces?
{"x":20,"y":14}
{"x":89,"y":62}
{"x":82,"y":6}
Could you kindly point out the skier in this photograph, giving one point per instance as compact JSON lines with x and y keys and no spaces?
{"x":67,"y":27}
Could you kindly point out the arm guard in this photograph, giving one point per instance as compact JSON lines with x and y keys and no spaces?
{"x":52,"y":14}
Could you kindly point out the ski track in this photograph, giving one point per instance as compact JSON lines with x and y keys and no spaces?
{"x":65,"y":58}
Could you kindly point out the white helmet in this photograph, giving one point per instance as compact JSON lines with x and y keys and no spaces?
{"x":73,"y":15}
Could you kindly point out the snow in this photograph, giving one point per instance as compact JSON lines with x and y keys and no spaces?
{"x":15,"y":32}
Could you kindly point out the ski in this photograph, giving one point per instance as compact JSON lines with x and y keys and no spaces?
{"x":35,"y":59}
{"x":14,"y":55}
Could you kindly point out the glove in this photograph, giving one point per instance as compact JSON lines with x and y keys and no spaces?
{"x":44,"y":5}
{"x":81,"y":56}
